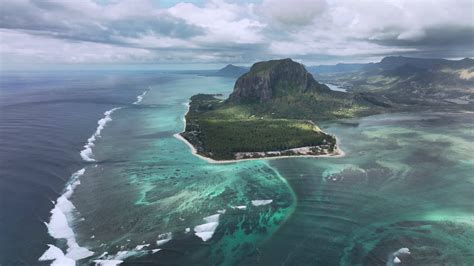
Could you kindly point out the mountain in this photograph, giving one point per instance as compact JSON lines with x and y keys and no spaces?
{"x":283,"y":89}
{"x":271,"y":112}
{"x":391,"y":62}
{"x":276,"y":78}
{"x":414,"y":81}
{"x":273,"y":107}
{"x":338,"y":68}
{"x":231,"y":71}
{"x":404,"y":71}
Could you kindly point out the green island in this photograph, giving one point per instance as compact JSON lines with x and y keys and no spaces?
{"x":227,"y":132}
{"x":271,"y":112}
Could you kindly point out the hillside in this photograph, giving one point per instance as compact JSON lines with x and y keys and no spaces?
{"x":284,"y":89}
{"x":413,"y":81}
{"x":273,"y":79}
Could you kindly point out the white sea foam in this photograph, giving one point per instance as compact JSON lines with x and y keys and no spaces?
{"x":57,"y":257}
{"x":394,"y":258}
{"x":140,"y":97}
{"x":107,"y":262}
{"x":153,"y":251}
{"x":103,"y":254}
{"x":59,"y":227}
{"x":140,"y":247}
{"x":112,"y":260}
{"x":261,"y":202}
{"x":402,"y":251}
{"x":86,"y":153}
{"x":206,"y":231}
{"x":164,"y":238}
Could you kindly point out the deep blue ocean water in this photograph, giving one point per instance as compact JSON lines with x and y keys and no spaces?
{"x":45,"y":119}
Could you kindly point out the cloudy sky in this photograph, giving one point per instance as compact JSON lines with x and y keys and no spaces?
{"x":225,"y":31}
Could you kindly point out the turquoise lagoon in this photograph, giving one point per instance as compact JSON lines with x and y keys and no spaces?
{"x":406,"y":184}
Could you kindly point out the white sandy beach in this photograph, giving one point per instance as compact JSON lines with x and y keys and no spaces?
{"x":337,"y":152}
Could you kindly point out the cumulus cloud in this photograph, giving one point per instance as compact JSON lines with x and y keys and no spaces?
{"x":222,"y":31}
{"x":223,"y":22}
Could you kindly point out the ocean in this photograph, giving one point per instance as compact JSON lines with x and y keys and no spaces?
{"x":91,"y":173}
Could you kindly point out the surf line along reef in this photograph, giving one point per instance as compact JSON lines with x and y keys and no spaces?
{"x":270,"y":113}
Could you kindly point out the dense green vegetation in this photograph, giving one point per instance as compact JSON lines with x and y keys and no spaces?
{"x":313,"y":106}
{"x":253,"y":135}
{"x":219,"y":130}
{"x":272,"y":108}
{"x":274,"y":104}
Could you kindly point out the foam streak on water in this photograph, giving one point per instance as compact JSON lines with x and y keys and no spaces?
{"x":140,"y":97}
{"x":86,"y":153}
{"x":61,"y":219}
{"x":59,"y":227}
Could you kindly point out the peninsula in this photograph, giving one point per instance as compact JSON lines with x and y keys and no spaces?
{"x":270,"y":113}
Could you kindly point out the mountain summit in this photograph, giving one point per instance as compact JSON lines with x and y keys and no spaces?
{"x":272,"y":79}
{"x":231,"y":71}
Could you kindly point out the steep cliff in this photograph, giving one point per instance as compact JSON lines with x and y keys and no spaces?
{"x":272,"y":79}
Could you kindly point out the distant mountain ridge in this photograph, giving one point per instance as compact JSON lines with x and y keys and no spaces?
{"x":231,"y":71}
{"x":337,"y":68}
{"x":391,"y":62}
{"x":407,"y":80}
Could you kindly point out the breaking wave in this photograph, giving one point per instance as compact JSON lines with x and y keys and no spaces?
{"x":140,"y":97}
{"x":59,"y":227}
{"x":86,"y":153}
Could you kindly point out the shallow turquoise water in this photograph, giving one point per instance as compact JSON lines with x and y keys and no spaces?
{"x":406,"y":181}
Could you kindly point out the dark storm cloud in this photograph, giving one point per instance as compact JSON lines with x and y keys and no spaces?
{"x":440,"y":41}
{"x":450,"y":36}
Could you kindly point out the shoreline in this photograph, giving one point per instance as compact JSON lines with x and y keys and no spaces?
{"x":336,"y":154}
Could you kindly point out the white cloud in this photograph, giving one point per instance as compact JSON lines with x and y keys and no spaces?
{"x":226,"y":31}
{"x":25,"y":48}
{"x":224,"y":22}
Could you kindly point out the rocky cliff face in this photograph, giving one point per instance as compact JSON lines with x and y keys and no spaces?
{"x":271,"y":79}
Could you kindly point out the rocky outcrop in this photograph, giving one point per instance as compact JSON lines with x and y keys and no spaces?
{"x":271,"y":79}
